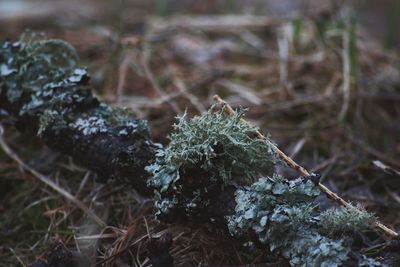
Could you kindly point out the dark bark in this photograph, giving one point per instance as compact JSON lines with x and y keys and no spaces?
{"x":44,"y":92}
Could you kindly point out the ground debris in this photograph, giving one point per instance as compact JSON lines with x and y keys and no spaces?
{"x":58,"y":255}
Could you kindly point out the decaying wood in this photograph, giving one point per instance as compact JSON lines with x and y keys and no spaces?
{"x":49,"y":96}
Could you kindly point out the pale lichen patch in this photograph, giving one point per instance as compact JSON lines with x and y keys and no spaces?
{"x":89,"y":126}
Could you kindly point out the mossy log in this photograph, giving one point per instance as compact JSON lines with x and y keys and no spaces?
{"x":210,"y":172}
{"x":45,"y":93}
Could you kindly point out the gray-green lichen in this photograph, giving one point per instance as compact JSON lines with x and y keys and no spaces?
{"x":42,"y":75}
{"x":42,"y":87}
{"x":211,"y":149}
{"x":45,"y":91}
{"x":285,"y":216}
{"x":221,"y":145}
{"x":346,"y":219}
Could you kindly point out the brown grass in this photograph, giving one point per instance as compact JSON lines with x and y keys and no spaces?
{"x":298,"y":84}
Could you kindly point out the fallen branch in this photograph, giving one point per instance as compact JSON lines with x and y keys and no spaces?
{"x":210,"y":172}
{"x":46,"y":94}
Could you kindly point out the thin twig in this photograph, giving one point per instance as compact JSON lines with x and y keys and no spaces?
{"x":346,"y":76}
{"x":214,"y":23}
{"x":49,"y":182}
{"x":333,"y":196}
{"x":18,"y":258}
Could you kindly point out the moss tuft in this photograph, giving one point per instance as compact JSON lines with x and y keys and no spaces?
{"x":346,"y":219}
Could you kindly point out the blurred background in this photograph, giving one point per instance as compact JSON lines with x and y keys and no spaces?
{"x":321,"y":77}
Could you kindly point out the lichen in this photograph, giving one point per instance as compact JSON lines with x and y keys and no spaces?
{"x":284,"y":215}
{"x":212,"y":151}
{"x":41,"y":75}
{"x":222,"y":145}
{"x":207,"y":152}
{"x":272,"y":199}
{"x":164,"y":205}
{"x":44,"y":89}
{"x":346,"y":219}
{"x":49,"y":119}
{"x":209,"y":155}
{"x":89,"y":126}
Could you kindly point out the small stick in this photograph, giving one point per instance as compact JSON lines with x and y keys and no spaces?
{"x":292,"y":164}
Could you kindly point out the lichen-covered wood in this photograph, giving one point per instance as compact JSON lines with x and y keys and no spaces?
{"x":213,"y":170}
{"x":206,"y":155}
{"x":46,"y":93}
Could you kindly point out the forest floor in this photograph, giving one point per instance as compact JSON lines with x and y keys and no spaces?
{"x":325,"y":89}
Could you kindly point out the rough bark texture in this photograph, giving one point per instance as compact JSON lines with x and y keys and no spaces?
{"x":45,"y":93}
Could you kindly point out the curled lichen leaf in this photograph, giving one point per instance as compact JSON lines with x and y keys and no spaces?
{"x":309,"y":248}
{"x":285,"y":216}
{"x":162,"y":177}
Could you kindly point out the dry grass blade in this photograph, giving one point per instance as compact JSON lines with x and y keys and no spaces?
{"x":49,"y":182}
{"x":215,"y":23}
{"x":346,"y":76}
{"x":385,"y":167}
{"x":333,"y":196}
